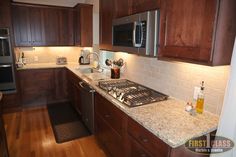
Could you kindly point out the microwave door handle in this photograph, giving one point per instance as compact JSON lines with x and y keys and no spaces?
{"x":134,"y":34}
{"x":142,"y":32}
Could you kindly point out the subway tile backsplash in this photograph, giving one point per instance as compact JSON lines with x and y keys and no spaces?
{"x":178,"y":79}
{"x":48,"y":54}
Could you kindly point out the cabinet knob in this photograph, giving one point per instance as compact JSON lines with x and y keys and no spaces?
{"x":144,"y":140}
{"x":107,"y":116}
{"x":143,"y":155}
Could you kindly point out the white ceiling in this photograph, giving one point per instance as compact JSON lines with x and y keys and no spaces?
{"x":66,"y":3}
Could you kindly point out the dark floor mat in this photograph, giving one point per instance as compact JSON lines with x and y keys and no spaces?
{"x":66,"y":123}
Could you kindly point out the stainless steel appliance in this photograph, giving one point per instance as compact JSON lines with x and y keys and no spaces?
{"x":131,"y":93}
{"x":137,"y":33}
{"x":7,"y":77}
{"x":87,"y":105}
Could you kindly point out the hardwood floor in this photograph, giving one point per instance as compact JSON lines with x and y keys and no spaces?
{"x":29,"y":134}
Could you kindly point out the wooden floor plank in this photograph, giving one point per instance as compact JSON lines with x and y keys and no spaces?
{"x":29,"y":134}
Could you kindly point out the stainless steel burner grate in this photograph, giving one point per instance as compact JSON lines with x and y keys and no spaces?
{"x":130,"y":93}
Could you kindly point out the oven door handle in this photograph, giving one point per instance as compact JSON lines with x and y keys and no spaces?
{"x":1,"y":37}
{"x":88,"y":90}
{"x":5,"y":66}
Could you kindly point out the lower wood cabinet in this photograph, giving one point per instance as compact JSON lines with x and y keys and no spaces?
{"x":3,"y":139}
{"x":74,"y":91}
{"x":110,"y":127}
{"x":121,"y":136}
{"x":42,"y":86}
{"x":148,"y":141}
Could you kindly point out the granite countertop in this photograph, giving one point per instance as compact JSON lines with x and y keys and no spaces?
{"x":168,"y":119}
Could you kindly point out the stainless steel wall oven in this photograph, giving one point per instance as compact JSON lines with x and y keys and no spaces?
{"x":7,"y":76}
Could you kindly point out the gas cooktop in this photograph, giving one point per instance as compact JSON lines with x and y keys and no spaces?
{"x":131,"y":93}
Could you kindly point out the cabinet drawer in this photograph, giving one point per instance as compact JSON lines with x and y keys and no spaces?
{"x":150,"y":142}
{"x":136,"y":150}
{"x":112,"y":115}
{"x":110,"y":140}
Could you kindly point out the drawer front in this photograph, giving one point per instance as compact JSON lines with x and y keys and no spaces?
{"x":149,"y":141}
{"x":137,"y":150}
{"x":110,"y":140}
{"x":112,"y":115}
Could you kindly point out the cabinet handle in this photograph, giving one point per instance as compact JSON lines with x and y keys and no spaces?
{"x":107,"y":116}
{"x":143,"y":155}
{"x":144,"y":140}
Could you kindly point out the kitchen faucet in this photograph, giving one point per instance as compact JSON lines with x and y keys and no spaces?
{"x":96,"y":54}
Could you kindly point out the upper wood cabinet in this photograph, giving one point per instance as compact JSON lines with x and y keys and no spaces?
{"x":66,"y":27}
{"x":83,"y":18}
{"x":138,"y":6}
{"x":106,"y":17}
{"x":36,"y":25}
{"x":28,"y":26}
{"x":200,"y":31}
{"x":5,"y":13}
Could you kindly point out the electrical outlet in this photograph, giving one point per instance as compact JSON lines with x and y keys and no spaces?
{"x":196,"y":92}
{"x":36,"y":58}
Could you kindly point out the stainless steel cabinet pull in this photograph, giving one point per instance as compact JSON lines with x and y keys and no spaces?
{"x":5,"y":66}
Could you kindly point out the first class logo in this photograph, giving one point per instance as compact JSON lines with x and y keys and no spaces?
{"x":209,"y":144}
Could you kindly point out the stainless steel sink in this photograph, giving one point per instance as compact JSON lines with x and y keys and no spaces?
{"x":89,"y":70}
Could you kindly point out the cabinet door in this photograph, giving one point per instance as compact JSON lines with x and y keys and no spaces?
{"x":86,"y":23}
{"x":186,"y":29}
{"x":122,"y":8}
{"x":51,"y":26}
{"x":5,"y":13}
{"x":139,"y":6}
{"x":60,"y":85}
{"x":36,"y":87}
{"x":66,"y":27}
{"x":36,"y":26}
{"x":111,"y":141}
{"x":21,"y":24}
{"x":106,"y":17}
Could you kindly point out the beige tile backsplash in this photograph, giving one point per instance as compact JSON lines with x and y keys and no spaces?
{"x":48,"y":54}
{"x":173,"y":78}
{"x":178,"y":79}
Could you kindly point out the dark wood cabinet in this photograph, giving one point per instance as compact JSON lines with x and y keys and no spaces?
{"x":28,"y":26}
{"x":36,"y":25}
{"x":110,"y":126}
{"x":138,"y":6}
{"x":193,"y":31}
{"x":149,"y":143}
{"x":74,"y":90}
{"x":106,"y":17}
{"x":5,"y":13}
{"x":60,"y":85}
{"x":83,"y":18}
{"x":122,"y":8}
{"x":21,"y":25}
{"x":3,"y":139}
{"x":36,"y":86}
{"x":51,"y":25}
{"x":66,"y":27}
{"x":42,"y":86}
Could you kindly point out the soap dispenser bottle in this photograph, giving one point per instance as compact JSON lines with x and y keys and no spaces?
{"x":200,"y":99}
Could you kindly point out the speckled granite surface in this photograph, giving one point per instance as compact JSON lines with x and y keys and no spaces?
{"x":167,"y":119}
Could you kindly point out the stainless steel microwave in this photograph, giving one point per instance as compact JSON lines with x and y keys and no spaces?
{"x":137,"y":33}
